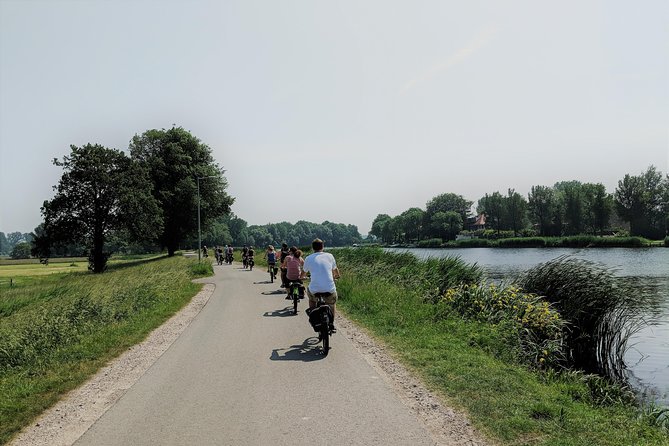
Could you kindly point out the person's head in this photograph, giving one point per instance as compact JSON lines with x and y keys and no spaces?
{"x":270,"y":248}
{"x":284,"y":245}
{"x":297,"y":254}
{"x":293,"y":249}
{"x":317,"y":245}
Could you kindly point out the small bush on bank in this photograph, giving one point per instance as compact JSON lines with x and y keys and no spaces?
{"x":492,"y":234}
{"x":202,"y":269}
{"x":522,"y":242}
{"x":430,"y":243}
{"x":539,"y":328}
{"x":473,"y":243}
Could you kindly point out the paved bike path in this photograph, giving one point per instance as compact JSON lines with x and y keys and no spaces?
{"x":247,"y":372}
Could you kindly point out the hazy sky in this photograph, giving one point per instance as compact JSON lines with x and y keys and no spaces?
{"x":339,"y":110}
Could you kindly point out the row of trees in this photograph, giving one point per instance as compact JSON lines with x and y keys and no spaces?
{"x":234,"y":230}
{"x":640,"y":203}
{"x":106,"y":198}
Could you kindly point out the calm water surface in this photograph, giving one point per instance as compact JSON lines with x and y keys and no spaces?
{"x":648,"y":357}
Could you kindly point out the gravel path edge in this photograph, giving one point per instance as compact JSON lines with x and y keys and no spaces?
{"x":447,"y":426}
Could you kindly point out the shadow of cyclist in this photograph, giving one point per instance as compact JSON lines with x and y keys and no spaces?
{"x":308,"y":351}
{"x":273,"y":293}
{"x":288,"y":311}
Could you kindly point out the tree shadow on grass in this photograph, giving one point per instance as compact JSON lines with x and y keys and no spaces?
{"x":308,"y":351}
{"x":129,"y":263}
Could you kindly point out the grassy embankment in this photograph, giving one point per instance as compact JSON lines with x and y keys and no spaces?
{"x":57,"y":329}
{"x":487,"y":366}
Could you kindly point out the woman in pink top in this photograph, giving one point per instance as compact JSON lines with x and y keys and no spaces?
{"x":293,"y":264}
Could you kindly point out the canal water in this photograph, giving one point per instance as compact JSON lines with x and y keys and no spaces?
{"x":647,"y":358}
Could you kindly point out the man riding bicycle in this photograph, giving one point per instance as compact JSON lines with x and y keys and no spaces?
{"x":323,"y":270}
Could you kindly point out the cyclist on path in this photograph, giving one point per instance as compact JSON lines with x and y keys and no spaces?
{"x":293,"y":265}
{"x":323,"y":269}
{"x":284,"y":253}
{"x":270,"y":255}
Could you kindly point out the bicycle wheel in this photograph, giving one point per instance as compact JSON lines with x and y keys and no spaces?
{"x":325,"y":335}
{"x":296,"y":297}
{"x":271,"y":275}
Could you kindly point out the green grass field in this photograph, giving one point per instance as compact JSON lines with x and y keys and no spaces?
{"x":23,"y":271}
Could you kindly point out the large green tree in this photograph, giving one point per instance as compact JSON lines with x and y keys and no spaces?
{"x":21,"y":251}
{"x":639,"y":200}
{"x":571,"y":195}
{"x":176,"y":160}
{"x":412,"y":222}
{"x":101,"y":192}
{"x":544,"y":209}
{"x":446,"y":225}
{"x":515,"y":217}
{"x":448,"y":202}
{"x":597,"y":207}
{"x":378,"y":224}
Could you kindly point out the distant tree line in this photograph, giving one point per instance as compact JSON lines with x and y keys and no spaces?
{"x":231,"y":229}
{"x":107,"y":201}
{"x":639,"y":205}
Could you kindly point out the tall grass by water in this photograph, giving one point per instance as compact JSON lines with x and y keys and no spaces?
{"x":601,"y":310}
{"x":57,"y":330}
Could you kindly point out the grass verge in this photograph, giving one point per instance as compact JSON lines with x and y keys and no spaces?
{"x":473,"y":365}
{"x":58,"y":330}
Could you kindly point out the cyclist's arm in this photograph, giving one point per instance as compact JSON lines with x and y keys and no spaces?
{"x":335,"y":273}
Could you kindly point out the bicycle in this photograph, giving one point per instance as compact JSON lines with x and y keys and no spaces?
{"x":295,"y":293}
{"x":250,"y":262}
{"x":321,"y":320}
{"x":271,"y":271}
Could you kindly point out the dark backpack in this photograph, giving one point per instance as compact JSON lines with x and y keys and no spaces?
{"x":316,"y":316}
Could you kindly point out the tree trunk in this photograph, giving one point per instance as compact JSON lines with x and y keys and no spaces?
{"x":98,"y":259}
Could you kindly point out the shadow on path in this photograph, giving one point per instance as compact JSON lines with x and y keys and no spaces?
{"x":288,"y":311}
{"x":274,"y":293}
{"x":308,"y":351}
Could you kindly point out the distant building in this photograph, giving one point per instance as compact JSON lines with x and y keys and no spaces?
{"x":476,"y":223}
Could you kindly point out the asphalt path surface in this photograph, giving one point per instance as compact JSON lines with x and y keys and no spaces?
{"x":247,"y":371}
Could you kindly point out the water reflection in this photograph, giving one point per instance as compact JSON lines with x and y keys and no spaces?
{"x":646,"y":270}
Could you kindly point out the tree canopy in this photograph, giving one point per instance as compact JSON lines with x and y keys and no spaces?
{"x":177,"y":163}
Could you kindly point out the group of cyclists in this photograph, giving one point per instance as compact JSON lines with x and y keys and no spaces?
{"x":294,"y":269}
{"x":222,"y":254}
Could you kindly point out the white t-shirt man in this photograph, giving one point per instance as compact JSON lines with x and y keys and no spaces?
{"x":320,"y":265}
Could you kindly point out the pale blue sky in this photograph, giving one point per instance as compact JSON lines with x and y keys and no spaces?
{"x":345,"y":109}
